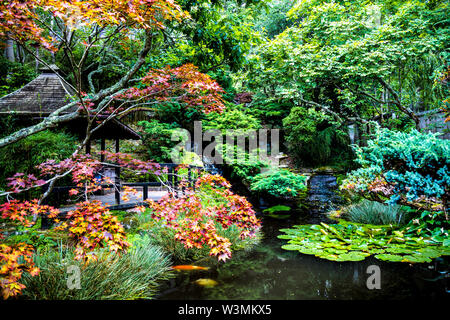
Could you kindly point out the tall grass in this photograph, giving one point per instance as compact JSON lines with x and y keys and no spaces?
{"x":134,"y":275}
{"x":372,"y":212}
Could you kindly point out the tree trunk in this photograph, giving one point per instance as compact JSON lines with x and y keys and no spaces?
{"x":9,"y":50}
{"x":36,"y":65}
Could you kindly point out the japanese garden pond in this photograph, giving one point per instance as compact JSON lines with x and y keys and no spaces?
{"x":268,"y":272}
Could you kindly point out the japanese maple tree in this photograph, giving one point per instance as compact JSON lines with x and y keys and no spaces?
{"x":196,"y":224}
{"x":81,"y":29}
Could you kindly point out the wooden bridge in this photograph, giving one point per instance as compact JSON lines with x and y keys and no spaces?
{"x":154,"y":190}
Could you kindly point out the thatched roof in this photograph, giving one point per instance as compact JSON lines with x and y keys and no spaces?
{"x":45,"y":94}
{"x":49,"y":92}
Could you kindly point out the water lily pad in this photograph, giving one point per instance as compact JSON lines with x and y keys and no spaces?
{"x":389,"y":257}
{"x":278,"y":208}
{"x":286,"y":236}
{"x":335,"y":251}
{"x":353,"y":256}
{"x":377,"y":251}
{"x":278,"y":216}
{"x":306,"y":250}
{"x":332,"y":257}
{"x":430,"y":252}
{"x":291,"y":247}
{"x":445,"y":251}
{"x":346,"y":241}
{"x":399,"y":249}
{"x":416,"y":258}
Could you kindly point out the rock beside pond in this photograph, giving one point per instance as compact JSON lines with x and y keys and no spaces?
{"x":130,"y":222}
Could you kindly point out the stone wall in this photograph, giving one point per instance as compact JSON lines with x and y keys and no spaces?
{"x":434,"y":121}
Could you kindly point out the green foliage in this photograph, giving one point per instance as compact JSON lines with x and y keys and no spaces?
{"x":24,"y":155}
{"x":273,"y":20}
{"x":9,"y":124}
{"x":279,"y":183}
{"x":276,"y":212}
{"x":133,"y":275}
{"x":277,"y":208}
{"x":270,"y":112}
{"x":312,"y":140}
{"x":233,"y":118}
{"x":178,"y":115}
{"x":344,"y":55}
{"x":372,"y":212}
{"x":157,"y":141}
{"x":347,"y":241}
{"x":432,"y":225}
{"x":240,"y":165}
{"x":405,"y":167}
{"x":221,"y":34}
{"x":14,"y":75}
{"x":34,"y":236}
{"x":224,"y":79}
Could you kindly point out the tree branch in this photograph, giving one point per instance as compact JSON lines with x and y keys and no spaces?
{"x":102,"y":97}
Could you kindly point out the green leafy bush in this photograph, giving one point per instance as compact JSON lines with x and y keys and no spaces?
{"x":372,"y":212}
{"x":34,"y":235}
{"x":431,"y":225}
{"x":270,"y":112}
{"x":279,"y":183}
{"x":312,"y":140}
{"x":14,"y":75}
{"x":133,"y":275}
{"x":233,"y":118}
{"x":157,"y":143}
{"x":240,"y":165}
{"x":410,"y":168}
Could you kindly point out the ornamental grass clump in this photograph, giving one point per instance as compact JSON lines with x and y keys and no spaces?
{"x":134,"y":275}
{"x":372,"y":212}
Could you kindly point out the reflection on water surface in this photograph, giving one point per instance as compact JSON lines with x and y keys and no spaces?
{"x":270,"y":273}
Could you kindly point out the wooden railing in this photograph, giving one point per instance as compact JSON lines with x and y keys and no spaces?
{"x":172,"y":183}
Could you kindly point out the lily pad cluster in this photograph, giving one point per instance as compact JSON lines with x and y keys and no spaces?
{"x":348,"y":241}
{"x":275,"y":212}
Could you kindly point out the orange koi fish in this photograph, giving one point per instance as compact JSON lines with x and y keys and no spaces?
{"x":189,"y":267}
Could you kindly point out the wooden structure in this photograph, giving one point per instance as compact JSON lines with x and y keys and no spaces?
{"x":171,"y":180}
{"x":48,"y":93}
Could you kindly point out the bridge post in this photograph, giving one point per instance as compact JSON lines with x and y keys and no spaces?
{"x":117,"y":177}
{"x":145,"y":192}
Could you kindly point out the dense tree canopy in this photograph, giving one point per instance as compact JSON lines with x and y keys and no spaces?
{"x":358,"y":61}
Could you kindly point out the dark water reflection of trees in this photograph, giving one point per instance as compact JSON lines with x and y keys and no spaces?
{"x":269,"y":272}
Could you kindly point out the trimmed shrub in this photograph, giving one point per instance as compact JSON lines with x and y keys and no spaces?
{"x":279,"y":183}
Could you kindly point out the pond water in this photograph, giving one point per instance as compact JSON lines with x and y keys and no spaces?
{"x":270,"y":273}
